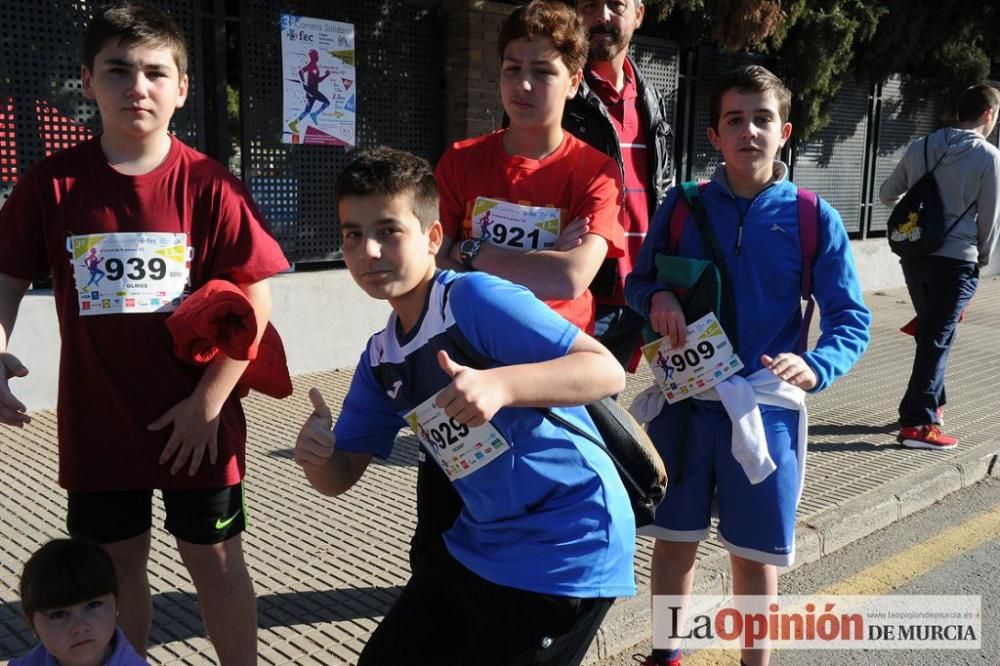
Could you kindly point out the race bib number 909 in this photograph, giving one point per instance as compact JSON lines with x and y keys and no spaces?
{"x":706,"y":358}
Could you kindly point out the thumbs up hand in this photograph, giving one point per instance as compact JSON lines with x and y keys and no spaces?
{"x":473,"y":396}
{"x":314,"y":445}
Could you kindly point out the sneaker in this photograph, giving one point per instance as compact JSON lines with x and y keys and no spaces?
{"x":925,"y":437}
{"x":649,"y":660}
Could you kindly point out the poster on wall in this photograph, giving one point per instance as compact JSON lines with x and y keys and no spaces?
{"x":320,"y":91}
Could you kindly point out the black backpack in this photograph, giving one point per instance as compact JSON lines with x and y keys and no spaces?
{"x":916,"y":225}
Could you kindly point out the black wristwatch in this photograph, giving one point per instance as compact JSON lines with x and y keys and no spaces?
{"x":468,"y":250}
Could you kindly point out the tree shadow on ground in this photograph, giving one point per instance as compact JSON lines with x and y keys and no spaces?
{"x":834,"y":429}
{"x":844,"y":447}
{"x":404,"y":454}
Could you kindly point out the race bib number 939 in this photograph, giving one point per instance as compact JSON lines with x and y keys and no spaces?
{"x":125,"y":273}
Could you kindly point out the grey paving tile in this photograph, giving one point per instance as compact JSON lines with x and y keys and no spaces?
{"x":326,"y":570}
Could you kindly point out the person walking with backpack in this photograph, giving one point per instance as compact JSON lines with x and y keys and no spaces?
{"x":966,"y":169}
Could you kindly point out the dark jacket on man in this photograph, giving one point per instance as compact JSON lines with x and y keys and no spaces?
{"x":586,"y":118}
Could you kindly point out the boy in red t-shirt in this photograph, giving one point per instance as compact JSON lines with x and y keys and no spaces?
{"x":158,"y":219}
{"x":506,"y":196}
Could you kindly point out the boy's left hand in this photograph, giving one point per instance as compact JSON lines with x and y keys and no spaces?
{"x":196,"y":428}
{"x":471,"y":398}
{"x":572,"y":234}
{"x":791,"y":368}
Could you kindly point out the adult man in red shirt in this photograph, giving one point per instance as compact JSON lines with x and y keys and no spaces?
{"x":615,"y":111}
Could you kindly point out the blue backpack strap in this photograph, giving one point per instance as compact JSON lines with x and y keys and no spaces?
{"x":808,"y":205}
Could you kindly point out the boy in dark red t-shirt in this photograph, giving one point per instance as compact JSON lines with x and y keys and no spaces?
{"x":129,"y":224}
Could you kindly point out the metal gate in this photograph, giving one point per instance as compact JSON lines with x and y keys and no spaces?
{"x":400,"y":103}
{"x":42,"y":108}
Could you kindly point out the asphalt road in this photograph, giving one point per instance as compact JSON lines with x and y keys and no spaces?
{"x":951,"y":548}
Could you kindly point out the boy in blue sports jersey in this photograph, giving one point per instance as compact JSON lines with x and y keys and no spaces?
{"x":545,"y":540}
{"x":750,"y":453}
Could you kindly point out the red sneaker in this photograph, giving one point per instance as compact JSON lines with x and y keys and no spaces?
{"x":911,"y":327}
{"x":925,"y":437}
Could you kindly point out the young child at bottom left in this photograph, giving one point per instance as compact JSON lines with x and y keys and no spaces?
{"x":69,"y":596}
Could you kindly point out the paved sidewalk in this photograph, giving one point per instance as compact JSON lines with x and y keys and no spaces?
{"x":326,"y":570}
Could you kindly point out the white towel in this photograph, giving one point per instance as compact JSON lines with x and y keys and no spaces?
{"x":741,"y":397}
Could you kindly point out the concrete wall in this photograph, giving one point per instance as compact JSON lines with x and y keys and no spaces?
{"x":324,"y":320}
{"x":323,"y":317}
{"x":35,"y":342}
{"x":879,"y":268}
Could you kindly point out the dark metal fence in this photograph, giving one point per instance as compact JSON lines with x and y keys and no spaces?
{"x":400,"y":103}
{"x":42,"y":107}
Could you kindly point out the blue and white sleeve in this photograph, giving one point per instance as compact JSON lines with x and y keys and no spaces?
{"x":507,"y":323}
{"x":367,"y":422}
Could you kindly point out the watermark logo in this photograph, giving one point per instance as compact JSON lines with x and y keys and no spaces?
{"x":818,"y":622}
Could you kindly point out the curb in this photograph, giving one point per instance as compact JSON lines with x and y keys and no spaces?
{"x":629,"y":621}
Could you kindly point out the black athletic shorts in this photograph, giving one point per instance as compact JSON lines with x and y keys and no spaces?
{"x":201,"y":516}
{"x":449,"y":616}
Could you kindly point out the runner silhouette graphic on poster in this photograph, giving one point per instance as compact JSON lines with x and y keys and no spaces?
{"x":318,"y":71}
{"x":310,"y":77}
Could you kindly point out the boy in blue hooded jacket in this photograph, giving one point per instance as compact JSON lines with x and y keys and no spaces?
{"x":745,"y":440}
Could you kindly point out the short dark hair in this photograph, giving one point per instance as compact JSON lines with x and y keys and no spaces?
{"x":555,"y":20}
{"x":977,"y":100}
{"x":64,"y":572}
{"x":132,"y":23}
{"x":749,"y":79}
{"x":388,"y":172}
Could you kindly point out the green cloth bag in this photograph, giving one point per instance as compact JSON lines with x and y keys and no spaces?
{"x":695,"y":282}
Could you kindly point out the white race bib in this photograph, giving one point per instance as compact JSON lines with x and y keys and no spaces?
{"x":706,"y":359}
{"x":514,"y":226}
{"x":125,"y":273}
{"x":459,"y":449}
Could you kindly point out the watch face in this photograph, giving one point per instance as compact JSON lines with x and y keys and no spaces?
{"x":468,"y":250}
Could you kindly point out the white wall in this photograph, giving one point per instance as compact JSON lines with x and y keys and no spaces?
{"x":324,"y":320}
{"x":35,"y":342}
{"x":879,"y":268}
